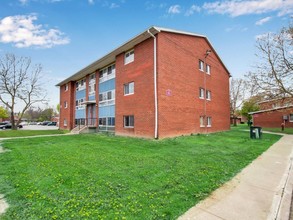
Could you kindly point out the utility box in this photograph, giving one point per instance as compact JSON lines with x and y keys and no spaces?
{"x":255,"y":132}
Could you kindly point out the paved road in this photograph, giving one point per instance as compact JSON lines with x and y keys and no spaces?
{"x":39,"y":127}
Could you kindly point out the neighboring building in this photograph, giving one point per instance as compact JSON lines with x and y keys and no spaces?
{"x":161,"y":83}
{"x":273,"y":113}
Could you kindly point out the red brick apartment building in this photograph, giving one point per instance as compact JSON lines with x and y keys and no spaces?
{"x":161,"y":83}
{"x":273,"y":113}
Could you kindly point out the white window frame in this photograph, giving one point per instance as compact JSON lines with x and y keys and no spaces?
{"x":92,"y":89}
{"x":201,"y":121}
{"x":65,"y":104}
{"x":107,"y":74}
{"x":201,"y":93}
{"x":201,"y":65}
{"x":124,"y":121}
{"x":128,"y":88}
{"x":80,"y":84}
{"x":208,"y":95}
{"x":208,"y":69}
{"x":105,"y":101}
{"x":79,"y":105}
{"x":291,"y":117}
{"x":209,"y":121}
{"x":129,"y":56}
{"x":66,"y":87}
{"x":64,"y":122}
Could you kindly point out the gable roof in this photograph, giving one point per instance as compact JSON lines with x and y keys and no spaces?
{"x":111,"y":57}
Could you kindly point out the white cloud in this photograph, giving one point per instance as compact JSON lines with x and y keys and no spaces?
{"x":114,"y":5}
{"x":91,"y":2}
{"x":236,"y":8}
{"x":262,"y":36}
{"x":23,"y":2}
{"x":174,"y":9}
{"x":262,"y":21}
{"x":192,"y":10}
{"x":21,"y":31}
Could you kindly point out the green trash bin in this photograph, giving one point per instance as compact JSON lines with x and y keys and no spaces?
{"x":255,"y":132}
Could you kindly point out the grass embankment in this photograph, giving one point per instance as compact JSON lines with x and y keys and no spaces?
{"x":26,"y":133}
{"x":101,"y":177}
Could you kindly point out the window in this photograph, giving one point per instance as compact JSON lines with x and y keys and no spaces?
{"x":66,"y":87}
{"x":65,"y":122}
{"x":80,"y":85}
{"x":79,"y":104}
{"x":65,"y":104}
{"x":93,"y":76}
{"x":291,"y":117}
{"x":208,"y":95}
{"x":110,"y":121}
{"x":201,"y":93}
{"x":107,"y":73}
{"x":208,"y":69}
{"x":129,"y":121}
{"x":129,"y":88}
{"x":129,"y":57}
{"x":201,"y":121}
{"x":209,"y":121}
{"x":201,"y":65}
{"x":92,"y":89}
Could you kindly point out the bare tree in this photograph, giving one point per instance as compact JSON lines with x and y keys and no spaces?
{"x":20,"y":84}
{"x":237,"y":96}
{"x":240,"y":91}
{"x":273,"y":75}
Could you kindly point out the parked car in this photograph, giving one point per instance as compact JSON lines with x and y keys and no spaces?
{"x":45,"y":122}
{"x":53,"y":123}
{"x":32,"y":123}
{"x":8,"y":126}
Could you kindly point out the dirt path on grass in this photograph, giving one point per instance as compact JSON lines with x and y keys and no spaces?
{"x":3,"y":204}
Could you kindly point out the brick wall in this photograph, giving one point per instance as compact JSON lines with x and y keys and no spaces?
{"x":141,"y":103}
{"x":273,"y":118}
{"x":179,"y":80}
{"x":67,"y":113}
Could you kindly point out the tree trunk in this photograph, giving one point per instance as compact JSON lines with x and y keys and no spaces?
{"x":234,"y":121}
{"x":13,"y":127}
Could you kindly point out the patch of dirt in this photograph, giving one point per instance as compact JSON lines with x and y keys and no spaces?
{"x":3,"y":204}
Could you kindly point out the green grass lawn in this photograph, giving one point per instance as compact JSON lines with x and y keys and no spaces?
{"x":25,"y":133}
{"x":286,"y":130}
{"x":101,"y":177}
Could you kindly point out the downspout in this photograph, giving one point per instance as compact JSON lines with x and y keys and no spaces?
{"x":155,"y":84}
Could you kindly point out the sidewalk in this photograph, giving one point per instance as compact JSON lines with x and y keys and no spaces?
{"x":263,"y":190}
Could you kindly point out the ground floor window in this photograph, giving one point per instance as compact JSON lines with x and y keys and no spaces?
{"x":107,"y":121}
{"x":128,"y":121}
{"x":209,"y":121}
{"x":201,"y":121}
{"x":80,"y":121}
{"x":65,"y":122}
{"x":291,"y":117}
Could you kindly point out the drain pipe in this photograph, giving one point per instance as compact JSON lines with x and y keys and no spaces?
{"x":155,"y":84}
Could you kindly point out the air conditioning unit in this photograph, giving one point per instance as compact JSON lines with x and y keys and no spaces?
{"x":285,"y":117}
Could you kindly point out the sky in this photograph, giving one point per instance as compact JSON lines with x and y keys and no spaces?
{"x":67,"y":35}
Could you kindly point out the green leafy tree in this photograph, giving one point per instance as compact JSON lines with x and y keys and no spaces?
{"x":249,"y":106}
{"x":3,"y":112}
